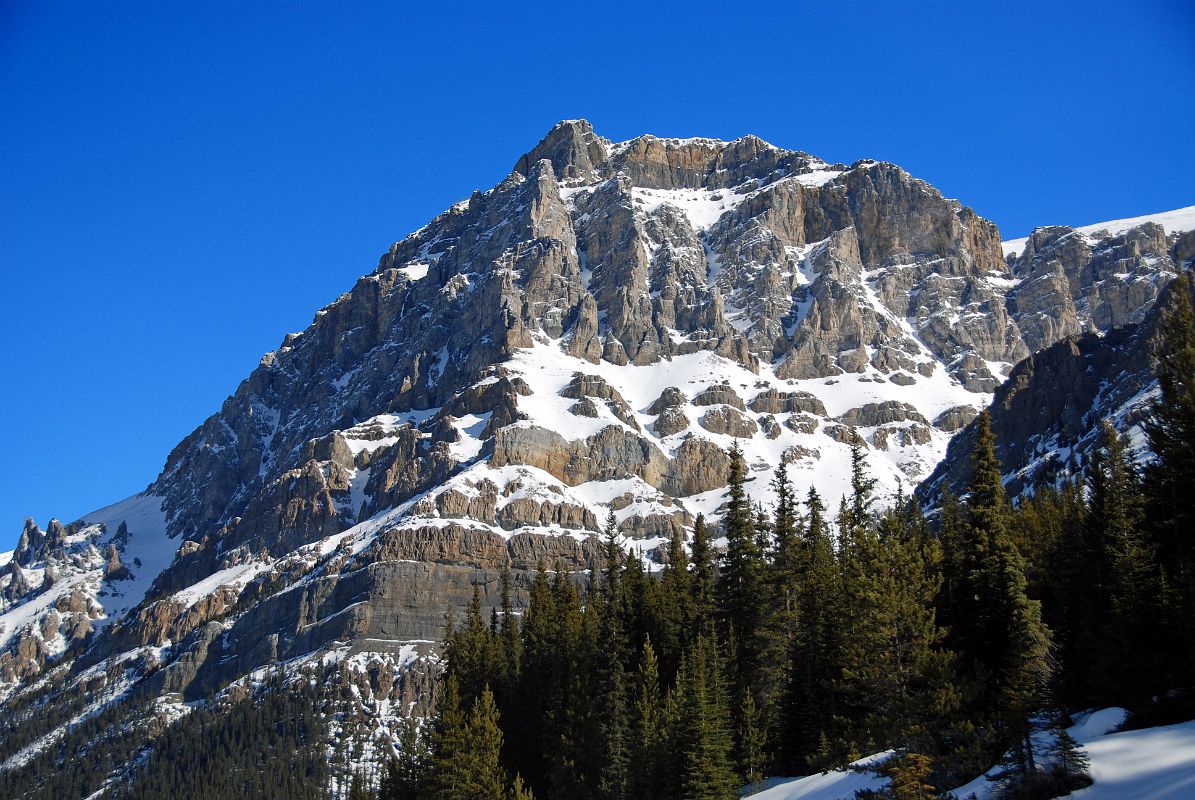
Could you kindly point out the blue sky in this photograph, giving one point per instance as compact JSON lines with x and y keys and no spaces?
{"x":183,"y":183}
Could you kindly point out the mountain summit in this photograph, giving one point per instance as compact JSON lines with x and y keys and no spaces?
{"x":584,"y":340}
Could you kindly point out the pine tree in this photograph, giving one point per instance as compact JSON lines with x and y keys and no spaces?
{"x":704,"y":572}
{"x":1007,"y":642}
{"x":741,"y":588}
{"x":809,"y":700}
{"x":862,"y":488}
{"x":673,"y":617}
{"x":786,"y":560}
{"x":488,"y":779}
{"x":612,"y":556}
{"x":449,"y":765}
{"x":540,"y":689}
{"x":357,"y":789}
{"x":520,"y":790}
{"x":910,"y":775}
{"x":895,"y":681}
{"x":406,"y":774}
{"x":510,"y":639}
{"x":1128,"y":661}
{"x":753,"y":742}
{"x":647,"y":729}
{"x":701,"y":733}
{"x":1171,"y":432}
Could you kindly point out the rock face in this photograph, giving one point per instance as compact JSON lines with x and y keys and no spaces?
{"x":1047,"y":416}
{"x":585,"y":339}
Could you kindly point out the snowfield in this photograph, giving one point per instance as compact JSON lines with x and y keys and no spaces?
{"x":1149,"y":764}
{"x":1179,"y":220}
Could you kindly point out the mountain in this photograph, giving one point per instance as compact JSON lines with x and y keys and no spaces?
{"x":1047,"y":415}
{"x":586,"y":338}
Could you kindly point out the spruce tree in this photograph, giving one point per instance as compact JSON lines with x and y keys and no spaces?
{"x":741,"y":589}
{"x":1171,"y":432}
{"x":674,"y":622}
{"x":704,"y":576}
{"x":449,"y":765}
{"x":484,"y":738}
{"x":862,"y":487}
{"x":406,"y":774}
{"x":808,"y":704}
{"x":1129,"y":656}
{"x":1008,"y":643}
{"x":701,"y":732}
{"x":646,"y":781}
{"x":910,"y":776}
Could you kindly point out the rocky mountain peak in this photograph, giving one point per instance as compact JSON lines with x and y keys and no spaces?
{"x":573,"y":148}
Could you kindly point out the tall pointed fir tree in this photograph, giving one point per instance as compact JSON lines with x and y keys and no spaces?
{"x":701,"y":734}
{"x":647,"y":781}
{"x":741,"y":589}
{"x":1171,"y":432}
{"x":1008,"y":643}
{"x":704,"y":576}
{"x":896,"y":679}
{"x":675,"y":622}
{"x":1130,"y":659}
{"x":808,"y":704}
{"x":405,"y":776}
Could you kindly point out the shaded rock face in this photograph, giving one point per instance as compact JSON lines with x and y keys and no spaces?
{"x":1046,"y":416}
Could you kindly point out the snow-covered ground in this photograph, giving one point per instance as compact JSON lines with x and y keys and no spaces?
{"x":1179,"y":220}
{"x":1149,"y":764}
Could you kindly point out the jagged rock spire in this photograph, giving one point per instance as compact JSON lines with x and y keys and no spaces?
{"x":572,"y":147}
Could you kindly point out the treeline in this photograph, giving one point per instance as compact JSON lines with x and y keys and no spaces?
{"x":813,"y":640}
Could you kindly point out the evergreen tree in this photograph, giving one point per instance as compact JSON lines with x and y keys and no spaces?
{"x":741,"y":589}
{"x":1008,"y":643}
{"x":753,"y":741}
{"x":612,"y":556}
{"x":450,"y":767}
{"x":701,"y":732}
{"x":786,"y":563}
{"x":405,"y":777}
{"x":647,"y":731}
{"x":862,"y":488}
{"x":704,"y":576}
{"x":1171,"y":432}
{"x":910,"y":775}
{"x":809,"y":700}
{"x":674,"y":615}
{"x":510,"y":639}
{"x":1129,"y":662}
{"x":520,"y":790}
{"x":895,"y":680}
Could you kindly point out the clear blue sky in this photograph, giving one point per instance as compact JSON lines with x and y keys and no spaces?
{"x":183,"y":183}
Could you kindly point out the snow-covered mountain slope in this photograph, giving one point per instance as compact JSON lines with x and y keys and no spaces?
{"x":1180,"y":220}
{"x":586,"y":338}
{"x":1148,"y":764}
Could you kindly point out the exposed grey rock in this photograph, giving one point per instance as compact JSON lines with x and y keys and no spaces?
{"x":670,"y":421}
{"x":729,"y":421}
{"x":872,"y":414}
{"x":955,"y":418}
{"x":114,"y":570}
{"x":900,"y":436}
{"x":719,"y":394}
{"x":771,"y":401}
{"x":671,"y":396}
{"x":801,"y":423}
